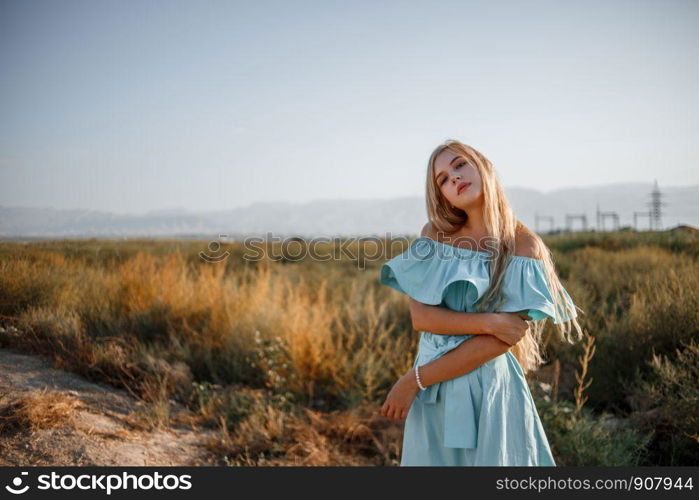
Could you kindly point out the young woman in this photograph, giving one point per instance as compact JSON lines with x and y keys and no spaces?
{"x":479,"y":282}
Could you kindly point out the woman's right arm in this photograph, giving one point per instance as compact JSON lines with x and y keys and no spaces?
{"x":498,"y":332}
{"x":507,"y":327}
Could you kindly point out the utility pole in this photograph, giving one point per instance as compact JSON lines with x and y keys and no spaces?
{"x":604,"y":215}
{"x":548,"y":218}
{"x":655,"y":207}
{"x":573,"y":217}
{"x":641,"y":214}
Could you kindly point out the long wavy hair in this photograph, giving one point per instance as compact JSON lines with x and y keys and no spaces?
{"x":501,"y":225}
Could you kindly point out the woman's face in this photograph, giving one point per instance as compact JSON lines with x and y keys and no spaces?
{"x":451,"y":171}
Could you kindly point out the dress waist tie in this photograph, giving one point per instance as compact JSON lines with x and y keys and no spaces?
{"x":462,"y":395}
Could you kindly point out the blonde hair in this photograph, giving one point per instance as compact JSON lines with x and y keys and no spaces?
{"x":501,"y":225}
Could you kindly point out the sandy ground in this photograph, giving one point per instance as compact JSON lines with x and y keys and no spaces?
{"x":99,"y":430}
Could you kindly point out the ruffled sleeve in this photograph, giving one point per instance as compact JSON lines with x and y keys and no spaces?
{"x":429,"y":272}
{"x":525,"y":288}
{"x":435,"y":273}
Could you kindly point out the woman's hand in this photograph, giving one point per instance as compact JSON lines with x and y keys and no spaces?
{"x":509,"y":327}
{"x":400,"y":397}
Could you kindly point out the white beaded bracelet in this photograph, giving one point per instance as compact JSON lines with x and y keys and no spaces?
{"x":419,"y":382}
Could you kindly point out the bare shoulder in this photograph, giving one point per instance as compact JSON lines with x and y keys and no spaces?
{"x":527,"y":243}
{"x":427,"y":231}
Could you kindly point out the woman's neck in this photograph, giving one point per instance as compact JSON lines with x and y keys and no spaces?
{"x":474,"y":225}
{"x":473,"y":229}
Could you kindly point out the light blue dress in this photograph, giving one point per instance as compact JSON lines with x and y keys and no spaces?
{"x":486,"y":417}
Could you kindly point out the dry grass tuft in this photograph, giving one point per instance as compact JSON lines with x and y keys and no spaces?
{"x":41,"y":409}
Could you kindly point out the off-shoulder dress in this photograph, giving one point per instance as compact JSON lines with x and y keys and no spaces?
{"x":486,"y":417}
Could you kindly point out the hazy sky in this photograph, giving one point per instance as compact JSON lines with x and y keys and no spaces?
{"x":140,"y":105}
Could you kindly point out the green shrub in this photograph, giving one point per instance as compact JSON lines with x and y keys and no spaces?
{"x":585,"y":439}
{"x":666,"y":403}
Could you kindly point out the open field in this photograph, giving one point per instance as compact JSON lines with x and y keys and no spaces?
{"x":287,"y":361}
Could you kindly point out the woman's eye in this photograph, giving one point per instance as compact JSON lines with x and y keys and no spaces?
{"x":444,"y":179}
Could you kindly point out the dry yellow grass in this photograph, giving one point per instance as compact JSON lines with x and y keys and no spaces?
{"x":39,"y":409}
{"x":154,"y":318}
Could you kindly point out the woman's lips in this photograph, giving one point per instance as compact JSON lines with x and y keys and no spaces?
{"x":462,"y":186}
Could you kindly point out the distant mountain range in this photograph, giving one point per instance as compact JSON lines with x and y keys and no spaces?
{"x":346,"y":217}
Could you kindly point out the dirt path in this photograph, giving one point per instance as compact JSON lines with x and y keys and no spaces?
{"x":79,"y":422}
